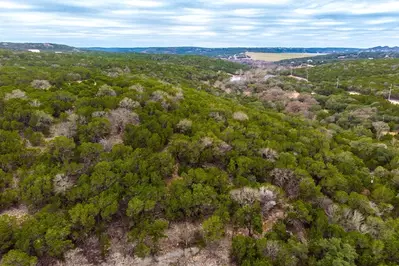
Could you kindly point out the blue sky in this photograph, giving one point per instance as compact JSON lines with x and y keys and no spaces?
{"x":207,"y":23}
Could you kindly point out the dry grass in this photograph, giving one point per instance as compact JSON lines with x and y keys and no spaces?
{"x":274,"y":57}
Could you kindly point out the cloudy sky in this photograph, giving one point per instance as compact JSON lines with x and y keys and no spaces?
{"x":207,"y":23}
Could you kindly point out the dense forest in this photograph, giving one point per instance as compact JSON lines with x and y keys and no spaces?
{"x":130,"y":159}
{"x":369,"y":77}
{"x":369,"y":54}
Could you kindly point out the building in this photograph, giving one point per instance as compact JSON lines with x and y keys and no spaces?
{"x":34,"y":50}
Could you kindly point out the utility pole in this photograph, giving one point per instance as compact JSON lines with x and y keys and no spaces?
{"x":337,"y":82}
{"x":307,"y":73}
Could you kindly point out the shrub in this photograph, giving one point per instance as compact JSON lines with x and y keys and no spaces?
{"x":184,"y":125}
{"x":61,"y":183}
{"x":213,"y":229}
{"x":128,"y":103}
{"x":121,"y":117}
{"x":105,"y":90}
{"x":18,"y":258}
{"x":41,"y":84}
{"x":15,"y":94}
{"x":240,"y":116}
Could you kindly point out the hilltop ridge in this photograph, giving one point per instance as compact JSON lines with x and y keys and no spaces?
{"x":191,"y":50}
{"x":38,"y":46}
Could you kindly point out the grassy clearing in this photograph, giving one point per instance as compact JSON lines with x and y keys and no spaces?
{"x":273,"y":57}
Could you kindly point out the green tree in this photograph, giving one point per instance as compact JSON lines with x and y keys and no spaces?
{"x":62,"y":149}
{"x":37,"y":189}
{"x":18,"y":258}
{"x":8,"y":226}
{"x":83,"y":216}
{"x":57,"y":242}
{"x":89,"y":152}
{"x":244,"y":250}
{"x":11,"y":150}
{"x":250,"y":218}
{"x":380,"y":128}
{"x":333,"y":251}
{"x":147,"y":234}
{"x":135,"y":208}
{"x":383,"y":194}
{"x":97,"y":129}
{"x":213,"y":228}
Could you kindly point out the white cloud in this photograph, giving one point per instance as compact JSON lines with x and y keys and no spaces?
{"x":87,"y":22}
{"x":13,"y":5}
{"x":143,"y":3}
{"x":111,"y":3}
{"x":251,"y":2}
{"x":377,"y":7}
{"x":243,"y":22}
{"x":215,"y":22}
{"x":193,"y":19}
{"x":208,"y":33}
{"x":136,"y":12}
{"x":197,"y":31}
{"x":307,"y":34}
{"x":381,"y":21}
{"x":291,"y":21}
{"x":247,"y":12}
{"x":195,"y":16}
{"x":345,"y":29}
{"x":243,"y":27}
{"x":303,"y":28}
{"x":192,"y":29}
{"x":326,"y":23}
{"x":88,"y":3}
{"x":53,"y":20}
{"x":375,"y":29}
{"x":348,"y":7}
{"x":127,"y":32}
{"x":27,"y":18}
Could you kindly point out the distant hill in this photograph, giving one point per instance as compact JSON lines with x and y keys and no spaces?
{"x":384,"y":49}
{"x":221,"y":52}
{"x":332,"y":52}
{"x":378,"y":52}
{"x":45,"y":47}
{"x":372,"y":53}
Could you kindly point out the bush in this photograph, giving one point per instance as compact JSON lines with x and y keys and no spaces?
{"x":18,"y":258}
{"x":41,"y":84}
{"x":184,"y":126}
{"x":213,"y":229}
{"x":240,"y":116}
{"x":106,"y":90}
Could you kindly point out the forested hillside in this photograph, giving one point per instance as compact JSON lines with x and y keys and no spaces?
{"x":375,"y":77}
{"x":111,"y":159}
{"x":343,"y":57}
{"x":46,"y":47}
